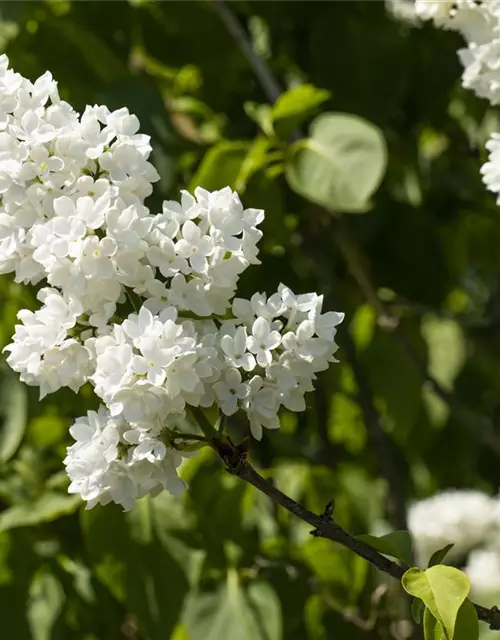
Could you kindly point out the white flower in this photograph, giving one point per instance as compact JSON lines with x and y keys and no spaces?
{"x":234,"y":348}
{"x":262,"y":407}
{"x":73,"y":215}
{"x":166,"y":258}
{"x":40,"y":164}
{"x":94,"y":257}
{"x":263,"y":341}
{"x":187,"y":209}
{"x":229,"y":390}
{"x":195,"y":246}
{"x":110,"y":462}
{"x":491,"y":169}
{"x":483,"y":569}
{"x":474,"y":20}
{"x":303,"y":341}
{"x":188,"y":294}
{"x":124,"y":161}
{"x":144,"y":325}
{"x":466,"y":518}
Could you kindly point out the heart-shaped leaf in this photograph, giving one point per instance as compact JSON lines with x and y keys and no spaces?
{"x":340,"y":165}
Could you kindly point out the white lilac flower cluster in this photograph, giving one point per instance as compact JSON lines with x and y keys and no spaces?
{"x":73,"y":218}
{"x":471,"y":521}
{"x":479,"y":23}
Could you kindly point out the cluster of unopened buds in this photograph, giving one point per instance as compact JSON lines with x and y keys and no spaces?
{"x":140,"y":305}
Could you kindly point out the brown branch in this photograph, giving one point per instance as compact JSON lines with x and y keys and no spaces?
{"x":377,"y":435}
{"x":237,"y":464}
{"x":324,"y":526}
{"x":261,"y":70}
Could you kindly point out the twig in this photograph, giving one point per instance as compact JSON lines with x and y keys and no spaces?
{"x":324,"y":526}
{"x":388,"y":320}
{"x":235,"y":458}
{"x":261,"y":70}
{"x":365,"y":396}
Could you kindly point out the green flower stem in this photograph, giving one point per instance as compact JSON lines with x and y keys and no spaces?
{"x":205,"y":425}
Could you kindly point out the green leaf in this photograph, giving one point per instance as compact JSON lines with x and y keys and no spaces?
{"x":18,"y":565}
{"x":417,"y":608}
{"x":294,"y":106}
{"x":396,"y":544}
{"x":432,"y":629}
{"x":446,"y":347}
{"x":46,"y":599}
{"x":439,"y":555}
{"x":442,"y":589}
{"x":233,"y":611}
{"x":340,"y":165}
{"x":50,"y":506}
{"x":255,"y":159}
{"x":137,"y":567}
{"x":220,"y":166}
{"x":261,"y":114}
{"x":13,"y":413}
{"x":467,"y":624}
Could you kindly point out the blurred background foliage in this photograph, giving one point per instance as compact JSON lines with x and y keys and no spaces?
{"x":412,"y":408}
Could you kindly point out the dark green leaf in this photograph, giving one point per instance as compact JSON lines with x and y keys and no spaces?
{"x":397,"y":544}
{"x":417,"y":609}
{"x":432,"y":629}
{"x":136,"y":566}
{"x":439,"y":555}
{"x":467,"y":624}
{"x":13,"y":413}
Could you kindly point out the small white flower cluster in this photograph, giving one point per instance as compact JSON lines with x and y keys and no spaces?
{"x":72,"y":215}
{"x":479,"y":23}
{"x":468,"y":519}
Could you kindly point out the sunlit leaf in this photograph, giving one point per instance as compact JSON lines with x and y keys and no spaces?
{"x":234,"y":611}
{"x":45,"y":603}
{"x":48,"y":507}
{"x":294,"y":106}
{"x":221,"y":166}
{"x":442,"y":589}
{"x":13,"y":413}
{"x":340,"y":165}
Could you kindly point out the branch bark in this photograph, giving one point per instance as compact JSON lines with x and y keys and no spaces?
{"x":323,"y":525}
{"x":265,"y":77}
{"x":371,"y":417}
